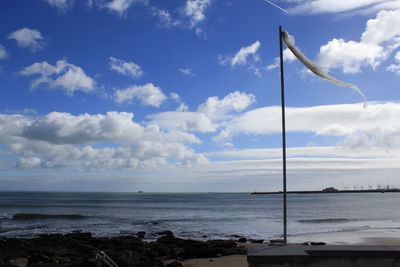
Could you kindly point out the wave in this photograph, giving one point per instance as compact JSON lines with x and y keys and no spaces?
{"x":326,"y":220}
{"x":37,"y":216}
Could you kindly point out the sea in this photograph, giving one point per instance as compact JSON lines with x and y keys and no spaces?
{"x":193,"y":215}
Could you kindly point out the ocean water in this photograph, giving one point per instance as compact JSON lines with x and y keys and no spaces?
{"x":193,"y":215}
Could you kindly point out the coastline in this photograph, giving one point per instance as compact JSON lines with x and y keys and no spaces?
{"x":80,"y":248}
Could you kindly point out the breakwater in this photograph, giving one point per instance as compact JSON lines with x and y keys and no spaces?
{"x":392,"y":190}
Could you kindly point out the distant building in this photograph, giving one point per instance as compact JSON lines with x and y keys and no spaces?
{"x":329,"y":190}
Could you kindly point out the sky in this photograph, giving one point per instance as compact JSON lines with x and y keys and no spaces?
{"x":184,"y":96}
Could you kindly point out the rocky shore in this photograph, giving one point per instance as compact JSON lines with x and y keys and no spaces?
{"x":82,"y":249}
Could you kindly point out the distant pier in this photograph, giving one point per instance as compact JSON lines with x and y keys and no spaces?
{"x":331,"y":190}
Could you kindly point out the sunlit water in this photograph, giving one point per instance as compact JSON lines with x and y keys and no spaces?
{"x":195,"y":215}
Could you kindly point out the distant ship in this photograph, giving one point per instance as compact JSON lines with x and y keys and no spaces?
{"x":140,"y":191}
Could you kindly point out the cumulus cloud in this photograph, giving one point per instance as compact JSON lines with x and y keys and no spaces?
{"x":395,"y":67}
{"x":382,"y":28}
{"x":62,"y":75}
{"x":246,"y":56}
{"x":61,"y":5}
{"x":195,"y":10}
{"x":183,"y":121}
{"x":121,"y":6}
{"x":148,"y":95}
{"x":125,"y":67}
{"x":234,"y":102}
{"x":3,"y":52}
{"x":209,"y":115}
{"x":350,"y":56}
{"x":28,"y":38}
{"x":377,"y":42}
{"x":59,"y":140}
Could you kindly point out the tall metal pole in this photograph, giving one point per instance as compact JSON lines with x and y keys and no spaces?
{"x":283,"y":139}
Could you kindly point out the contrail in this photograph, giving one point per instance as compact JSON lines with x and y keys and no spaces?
{"x":277,"y":6}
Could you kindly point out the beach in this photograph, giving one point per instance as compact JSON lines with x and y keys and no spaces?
{"x":383,"y":237}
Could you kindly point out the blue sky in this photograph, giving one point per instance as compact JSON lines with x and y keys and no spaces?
{"x":122,"y":95}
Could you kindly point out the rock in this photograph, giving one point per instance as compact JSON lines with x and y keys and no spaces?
{"x":236,"y":236}
{"x":222,"y":243}
{"x":242,"y":240}
{"x":141,"y":234}
{"x":318,"y":243}
{"x":17,"y":262}
{"x":39,"y":258}
{"x":276,"y":242}
{"x":259,"y":241}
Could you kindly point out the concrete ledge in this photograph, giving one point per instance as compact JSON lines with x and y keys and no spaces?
{"x":315,"y":256}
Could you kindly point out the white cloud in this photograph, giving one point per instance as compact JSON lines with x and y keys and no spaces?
{"x":61,"y":5}
{"x":233,"y":102}
{"x":246,"y":56}
{"x":195,"y":9}
{"x":378,"y":41}
{"x":28,"y":38}
{"x":59,"y":140}
{"x":350,"y":56}
{"x":209,"y":115}
{"x":63,"y":75}
{"x":3,"y":52}
{"x":183,"y":121}
{"x":187,"y":71}
{"x":121,"y":6}
{"x":287,"y":57}
{"x":326,"y":6}
{"x":148,"y":95}
{"x":165,"y":18}
{"x":182,"y":106}
{"x":190,"y":16}
{"x":243,"y":55}
{"x":126,"y":68}
{"x":395,"y":67}
{"x":383,"y":28}
{"x":378,"y":122}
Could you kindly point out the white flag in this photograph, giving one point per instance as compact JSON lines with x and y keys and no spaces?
{"x":318,"y":70}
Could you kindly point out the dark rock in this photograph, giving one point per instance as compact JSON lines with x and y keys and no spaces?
{"x":259,"y":241}
{"x":236,"y":236}
{"x":276,"y":242}
{"x":141,"y":234}
{"x":317,"y":243}
{"x":242,"y":240}
{"x":222,"y":243}
{"x":17,"y":262}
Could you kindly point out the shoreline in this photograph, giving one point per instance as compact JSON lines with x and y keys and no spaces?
{"x":82,"y":249}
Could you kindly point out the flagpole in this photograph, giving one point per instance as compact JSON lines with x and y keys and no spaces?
{"x":283,"y":139}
